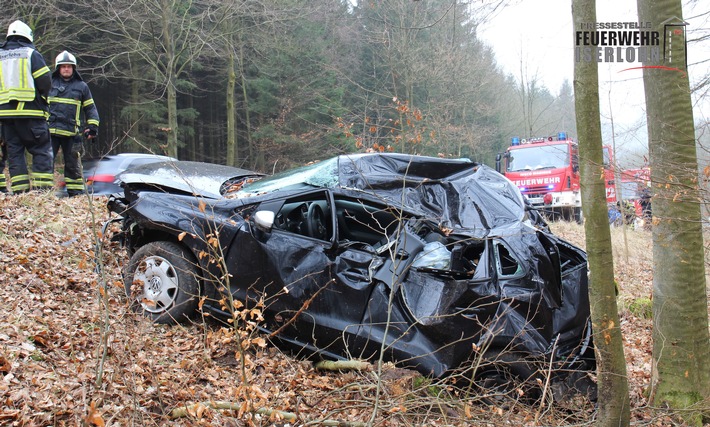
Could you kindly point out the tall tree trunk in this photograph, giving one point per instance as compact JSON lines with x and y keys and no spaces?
{"x":681,"y":346}
{"x":190,"y":138}
{"x":167,"y":37}
{"x":613,"y":389}
{"x":172,"y":148}
{"x":134,"y":117}
{"x":247,"y":114}
{"x":232,"y":149}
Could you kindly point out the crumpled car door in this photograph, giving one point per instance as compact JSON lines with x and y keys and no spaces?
{"x":314,"y":291}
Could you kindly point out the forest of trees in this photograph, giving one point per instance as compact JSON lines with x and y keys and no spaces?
{"x":270,"y":84}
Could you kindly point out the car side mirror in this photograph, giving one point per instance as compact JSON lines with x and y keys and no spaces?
{"x":264,"y":220}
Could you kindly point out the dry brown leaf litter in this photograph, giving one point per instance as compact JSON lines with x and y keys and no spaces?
{"x":53,"y":324}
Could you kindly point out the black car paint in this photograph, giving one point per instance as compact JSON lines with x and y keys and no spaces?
{"x":527,"y":291}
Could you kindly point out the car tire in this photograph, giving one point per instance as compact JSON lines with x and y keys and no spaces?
{"x":161,"y":282}
{"x":505,"y":375}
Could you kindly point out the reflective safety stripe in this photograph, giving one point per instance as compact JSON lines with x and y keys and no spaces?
{"x":42,"y":180}
{"x":17,"y":94}
{"x":25,"y":113}
{"x":75,"y":184}
{"x":77,"y":113}
{"x":58,"y":100}
{"x":16,"y":70}
{"x":85,"y":104}
{"x":42,"y":71}
{"x":20,"y":187}
{"x":20,"y":183}
{"x":61,"y":132}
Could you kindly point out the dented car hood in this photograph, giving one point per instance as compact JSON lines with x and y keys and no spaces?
{"x":195,"y":178}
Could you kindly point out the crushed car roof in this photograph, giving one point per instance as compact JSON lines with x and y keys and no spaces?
{"x":460,"y":193}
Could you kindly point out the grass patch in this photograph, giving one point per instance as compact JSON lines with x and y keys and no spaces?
{"x":641,"y":307}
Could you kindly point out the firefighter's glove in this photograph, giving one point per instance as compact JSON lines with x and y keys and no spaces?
{"x":90,"y":132}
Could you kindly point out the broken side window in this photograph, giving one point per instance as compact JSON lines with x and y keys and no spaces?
{"x":507,"y":264}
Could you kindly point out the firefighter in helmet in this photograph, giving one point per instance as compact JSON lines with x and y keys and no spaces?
{"x":24,"y":86}
{"x":70,"y":100}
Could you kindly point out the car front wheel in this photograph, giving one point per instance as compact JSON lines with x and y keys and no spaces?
{"x":161,"y":282}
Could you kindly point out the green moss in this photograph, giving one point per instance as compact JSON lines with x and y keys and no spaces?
{"x":684,"y":404}
{"x":642,"y":307}
{"x":422,"y":383}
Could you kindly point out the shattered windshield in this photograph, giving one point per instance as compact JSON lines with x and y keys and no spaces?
{"x":321,"y":174}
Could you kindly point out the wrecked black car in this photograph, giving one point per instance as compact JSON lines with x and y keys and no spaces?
{"x":426,"y":262}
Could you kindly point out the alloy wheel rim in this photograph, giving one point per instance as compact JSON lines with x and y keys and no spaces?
{"x":160,"y":284}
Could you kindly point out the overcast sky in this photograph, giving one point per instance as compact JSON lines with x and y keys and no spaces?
{"x":539,"y":34}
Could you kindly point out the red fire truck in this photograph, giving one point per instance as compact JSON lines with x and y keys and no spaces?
{"x":632,"y":184}
{"x":631,"y":181}
{"x":547,"y":172}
